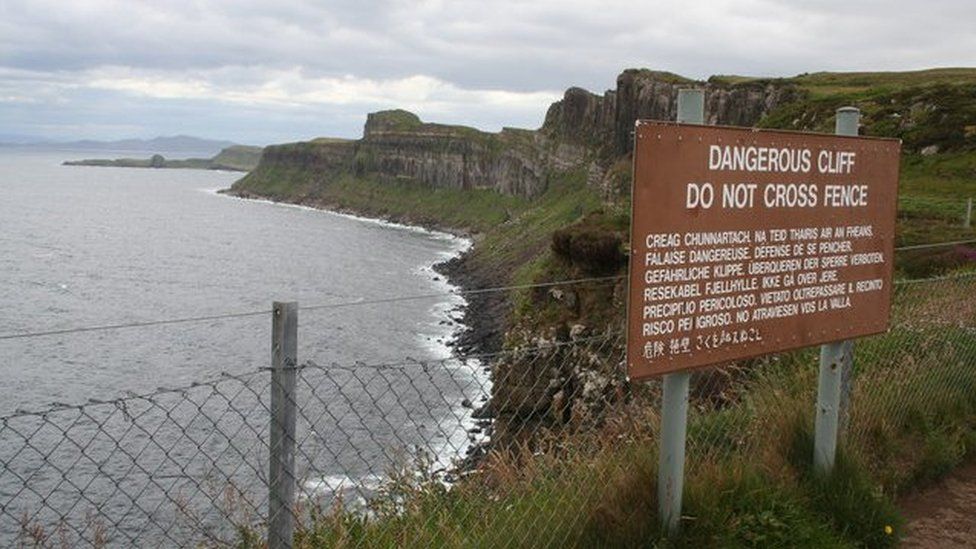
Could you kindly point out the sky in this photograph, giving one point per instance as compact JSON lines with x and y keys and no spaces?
{"x":262,"y":72}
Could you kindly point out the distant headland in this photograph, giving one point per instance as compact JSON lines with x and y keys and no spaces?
{"x":241,"y":158}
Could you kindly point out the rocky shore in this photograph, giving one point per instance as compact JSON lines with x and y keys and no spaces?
{"x":481,"y":326}
{"x":483,"y":317}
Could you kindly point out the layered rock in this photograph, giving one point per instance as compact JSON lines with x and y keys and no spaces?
{"x":451,"y":156}
{"x":582,"y":130}
{"x":607,"y":121}
{"x":396,"y":145}
{"x":559,"y":381}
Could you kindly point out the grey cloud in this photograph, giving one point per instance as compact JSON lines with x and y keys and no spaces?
{"x":510,"y":45}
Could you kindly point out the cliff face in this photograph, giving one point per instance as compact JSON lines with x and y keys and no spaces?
{"x":607,"y":121}
{"x":581,"y":130}
{"x":396,"y":145}
{"x":929,"y":110}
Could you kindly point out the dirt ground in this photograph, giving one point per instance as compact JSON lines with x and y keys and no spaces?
{"x":943,"y":515}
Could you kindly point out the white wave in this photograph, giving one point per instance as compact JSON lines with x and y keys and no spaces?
{"x":437,"y":341}
{"x":462,"y":243}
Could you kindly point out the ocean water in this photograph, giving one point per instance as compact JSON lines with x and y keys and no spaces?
{"x":89,"y":246}
{"x":85,"y":246}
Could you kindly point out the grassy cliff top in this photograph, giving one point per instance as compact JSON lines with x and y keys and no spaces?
{"x":402,"y":121}
{"x":237,"y":157}
{"x":837,"y":82}
{"x":833,"y":82}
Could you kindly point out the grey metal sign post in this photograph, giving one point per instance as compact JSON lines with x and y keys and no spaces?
{"x":836,"y":360}
{"x":674,"y":405}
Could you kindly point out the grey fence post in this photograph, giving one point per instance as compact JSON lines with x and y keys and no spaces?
{"x":969,"y":212}
{"x":281,"y":477}
{"x":674,"y":403}
{"x":836,"y":361}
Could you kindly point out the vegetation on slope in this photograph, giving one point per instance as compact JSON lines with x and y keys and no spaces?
{"x":932,"y":110}
{"x":242,"y":158}
{"x":749,"y":477}
{"x":402,"y":200}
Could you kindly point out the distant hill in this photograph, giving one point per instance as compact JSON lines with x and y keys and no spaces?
{"x":162,"y":144}
{"x":16,"y":139}
{"x":241,"y":158}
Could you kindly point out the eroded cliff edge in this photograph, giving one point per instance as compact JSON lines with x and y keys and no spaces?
{"x":581,"y":129}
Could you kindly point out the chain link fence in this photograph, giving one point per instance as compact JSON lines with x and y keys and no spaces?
{"x":542,"y":445}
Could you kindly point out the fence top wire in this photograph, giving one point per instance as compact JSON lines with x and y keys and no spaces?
{"x":520,"y":351}
{"x":132,"y":396}
{"x":361,"y":302}
{"x":934,"y":245}
{"x":408,"y":362}
{"x":324,"y":306}
{"x":309,"y":364}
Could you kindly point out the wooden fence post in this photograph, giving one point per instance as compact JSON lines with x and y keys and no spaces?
{"x":281,"y":477}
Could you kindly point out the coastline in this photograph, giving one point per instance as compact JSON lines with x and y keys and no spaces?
{"x":474,"y":332}
{"x":480,"y":328}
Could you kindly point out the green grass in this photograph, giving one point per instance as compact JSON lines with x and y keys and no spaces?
{"x":662,"y":76}
{"x":750,"y":481}
{"x":867,"y":80}
{"x":524,"y":236}
{"x":397,"y":120}
{"x":948,"y":175}
{"x":932,"y":196}
{"x":401,"y":199}
{"x":936,"y":113}
{"x":237,"y":157}
{"x":826,"y":83}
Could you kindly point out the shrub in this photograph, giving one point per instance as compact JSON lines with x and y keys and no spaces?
{"x":593,"y":250}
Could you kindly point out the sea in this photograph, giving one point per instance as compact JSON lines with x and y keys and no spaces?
{"x":92,"y":257}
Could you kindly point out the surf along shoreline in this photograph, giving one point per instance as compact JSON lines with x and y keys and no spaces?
{"x":481,"y":326}
{"x":478,"y":330}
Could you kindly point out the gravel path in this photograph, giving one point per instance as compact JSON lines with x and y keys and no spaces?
{"x":943,"y":515}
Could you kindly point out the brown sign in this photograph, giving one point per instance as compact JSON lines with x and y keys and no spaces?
{"x":747,"y":242}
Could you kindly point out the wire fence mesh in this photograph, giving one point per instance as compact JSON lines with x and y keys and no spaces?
{"x":168,"y":467}
{"x":545,"y":444}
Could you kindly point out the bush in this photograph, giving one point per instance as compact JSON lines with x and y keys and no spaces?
{"x":593,"y":250}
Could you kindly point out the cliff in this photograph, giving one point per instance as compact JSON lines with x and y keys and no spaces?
{"x":606,"y":122}
{"x":581,"y":130}
{"x":931,"y":111}
{"x":397,"y":146}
